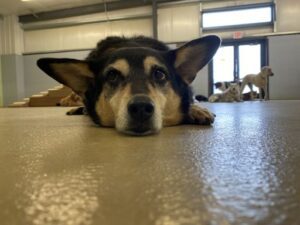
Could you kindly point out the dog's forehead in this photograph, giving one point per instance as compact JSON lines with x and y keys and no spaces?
{"x":136,"y":58}
{"x":267,"y":68}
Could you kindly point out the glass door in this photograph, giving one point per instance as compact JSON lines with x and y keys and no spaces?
{"x":249,"y":61}
{"x":236,"y":59}
{"x":223,"y":65}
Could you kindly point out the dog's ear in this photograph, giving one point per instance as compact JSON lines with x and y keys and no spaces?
{"x":73,"y":73}
{"x":194,"y":55}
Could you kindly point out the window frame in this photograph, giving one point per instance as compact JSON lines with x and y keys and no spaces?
{"x":241,"y":7}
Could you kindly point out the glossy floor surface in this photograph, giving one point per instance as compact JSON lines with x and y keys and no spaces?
{"x":245,"y":169}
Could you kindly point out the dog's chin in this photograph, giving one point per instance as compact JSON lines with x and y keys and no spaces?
{"x":130,"y":126}
{"x":140,"y":132}
{"x":139,"y":129}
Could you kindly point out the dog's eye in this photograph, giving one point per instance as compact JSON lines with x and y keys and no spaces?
{"x":112,"y":76}
{"x":159,"y":75}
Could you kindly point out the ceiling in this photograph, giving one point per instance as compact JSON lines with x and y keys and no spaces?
{"x":20,"y":7}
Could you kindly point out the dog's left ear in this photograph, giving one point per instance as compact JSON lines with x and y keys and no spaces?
{"x":76,"y":74}
{"x":194,"y":55}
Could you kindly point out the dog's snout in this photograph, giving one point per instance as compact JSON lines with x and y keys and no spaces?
{"x":141,"y":108}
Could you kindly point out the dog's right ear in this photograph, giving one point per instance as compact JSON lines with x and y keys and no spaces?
{"x":73,"y":73}
{"x":194,"y":55}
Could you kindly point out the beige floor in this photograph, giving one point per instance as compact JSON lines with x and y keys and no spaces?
{"x":56,"y":169}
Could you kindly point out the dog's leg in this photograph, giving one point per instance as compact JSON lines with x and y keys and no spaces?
{"x":77,"y":111}
{"x":263,"y":95}
{"x":242,"y":88}
{"x":201,"y":116}
{"x":251,"y":90}
{"x":266,"y":91}
{"x":213,"y":98}
{"x":237,"y":98}
{"x":260,"y":93}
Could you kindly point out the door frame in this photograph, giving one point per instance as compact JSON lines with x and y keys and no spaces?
{"x":235,"y":43}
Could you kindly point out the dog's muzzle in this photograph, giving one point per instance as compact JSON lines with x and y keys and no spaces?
{"x":140,"y":111}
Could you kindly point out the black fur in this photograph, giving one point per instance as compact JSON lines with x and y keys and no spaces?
{"x":201,"y":98}
{"x":224,"y":84}
{"x":115,"y":42}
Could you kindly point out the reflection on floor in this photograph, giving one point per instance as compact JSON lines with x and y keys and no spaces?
{"x":244,"y":169}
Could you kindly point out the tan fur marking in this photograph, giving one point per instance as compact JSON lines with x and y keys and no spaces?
{"x":119,"y":104}
{"x":71,"y":68}
{"x":113,"y":112}
{"x":73,"y":75}
{"x":121,"y":65}
{"x":172,"y":114}
{"x":149,"y":62}
{"x":187,"y":53}
{"x":168,"y":104}
{"x":181,"y":56}
{"x":105,"y":112}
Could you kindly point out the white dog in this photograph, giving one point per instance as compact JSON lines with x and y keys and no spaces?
{"x":260,"y":80}
{"x":231,"y":94}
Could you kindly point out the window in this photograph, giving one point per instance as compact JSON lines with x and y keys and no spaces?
{"x":238,"y":16}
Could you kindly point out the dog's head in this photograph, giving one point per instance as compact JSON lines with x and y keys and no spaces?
{"x":234,"y":88}
{"x":219,"y":85}
{"x":222,"y":86}
{"x":135,"y":89}
{"x":267,"y":71}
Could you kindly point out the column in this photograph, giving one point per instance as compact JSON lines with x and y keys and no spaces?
{"x":12,"y":70}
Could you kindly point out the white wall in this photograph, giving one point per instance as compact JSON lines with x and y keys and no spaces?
{"x":200,"y":84}
{"x":175,"y":24}
{"x":86,"y":36}
{"x":284,"y":60}
{"x":288,"y":15}
{"x":1,"y":89}
{"x":11,"y":36}
{"x":11,"y":48}
{"x":178,"y":23}
{"x":12,"y":78}
{"x":82,"y":36}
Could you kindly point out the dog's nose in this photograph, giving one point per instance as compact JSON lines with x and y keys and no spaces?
{"x":141,"y":108}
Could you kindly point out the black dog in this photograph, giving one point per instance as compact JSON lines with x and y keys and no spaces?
{"x":137,"y":84}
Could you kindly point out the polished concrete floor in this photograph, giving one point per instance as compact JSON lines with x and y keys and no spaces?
{"x":245,"y":169}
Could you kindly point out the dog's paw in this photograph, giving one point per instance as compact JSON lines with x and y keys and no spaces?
{"x":213,"y":98}
{"x":202,"y":116}
{"x":76,"y":111}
